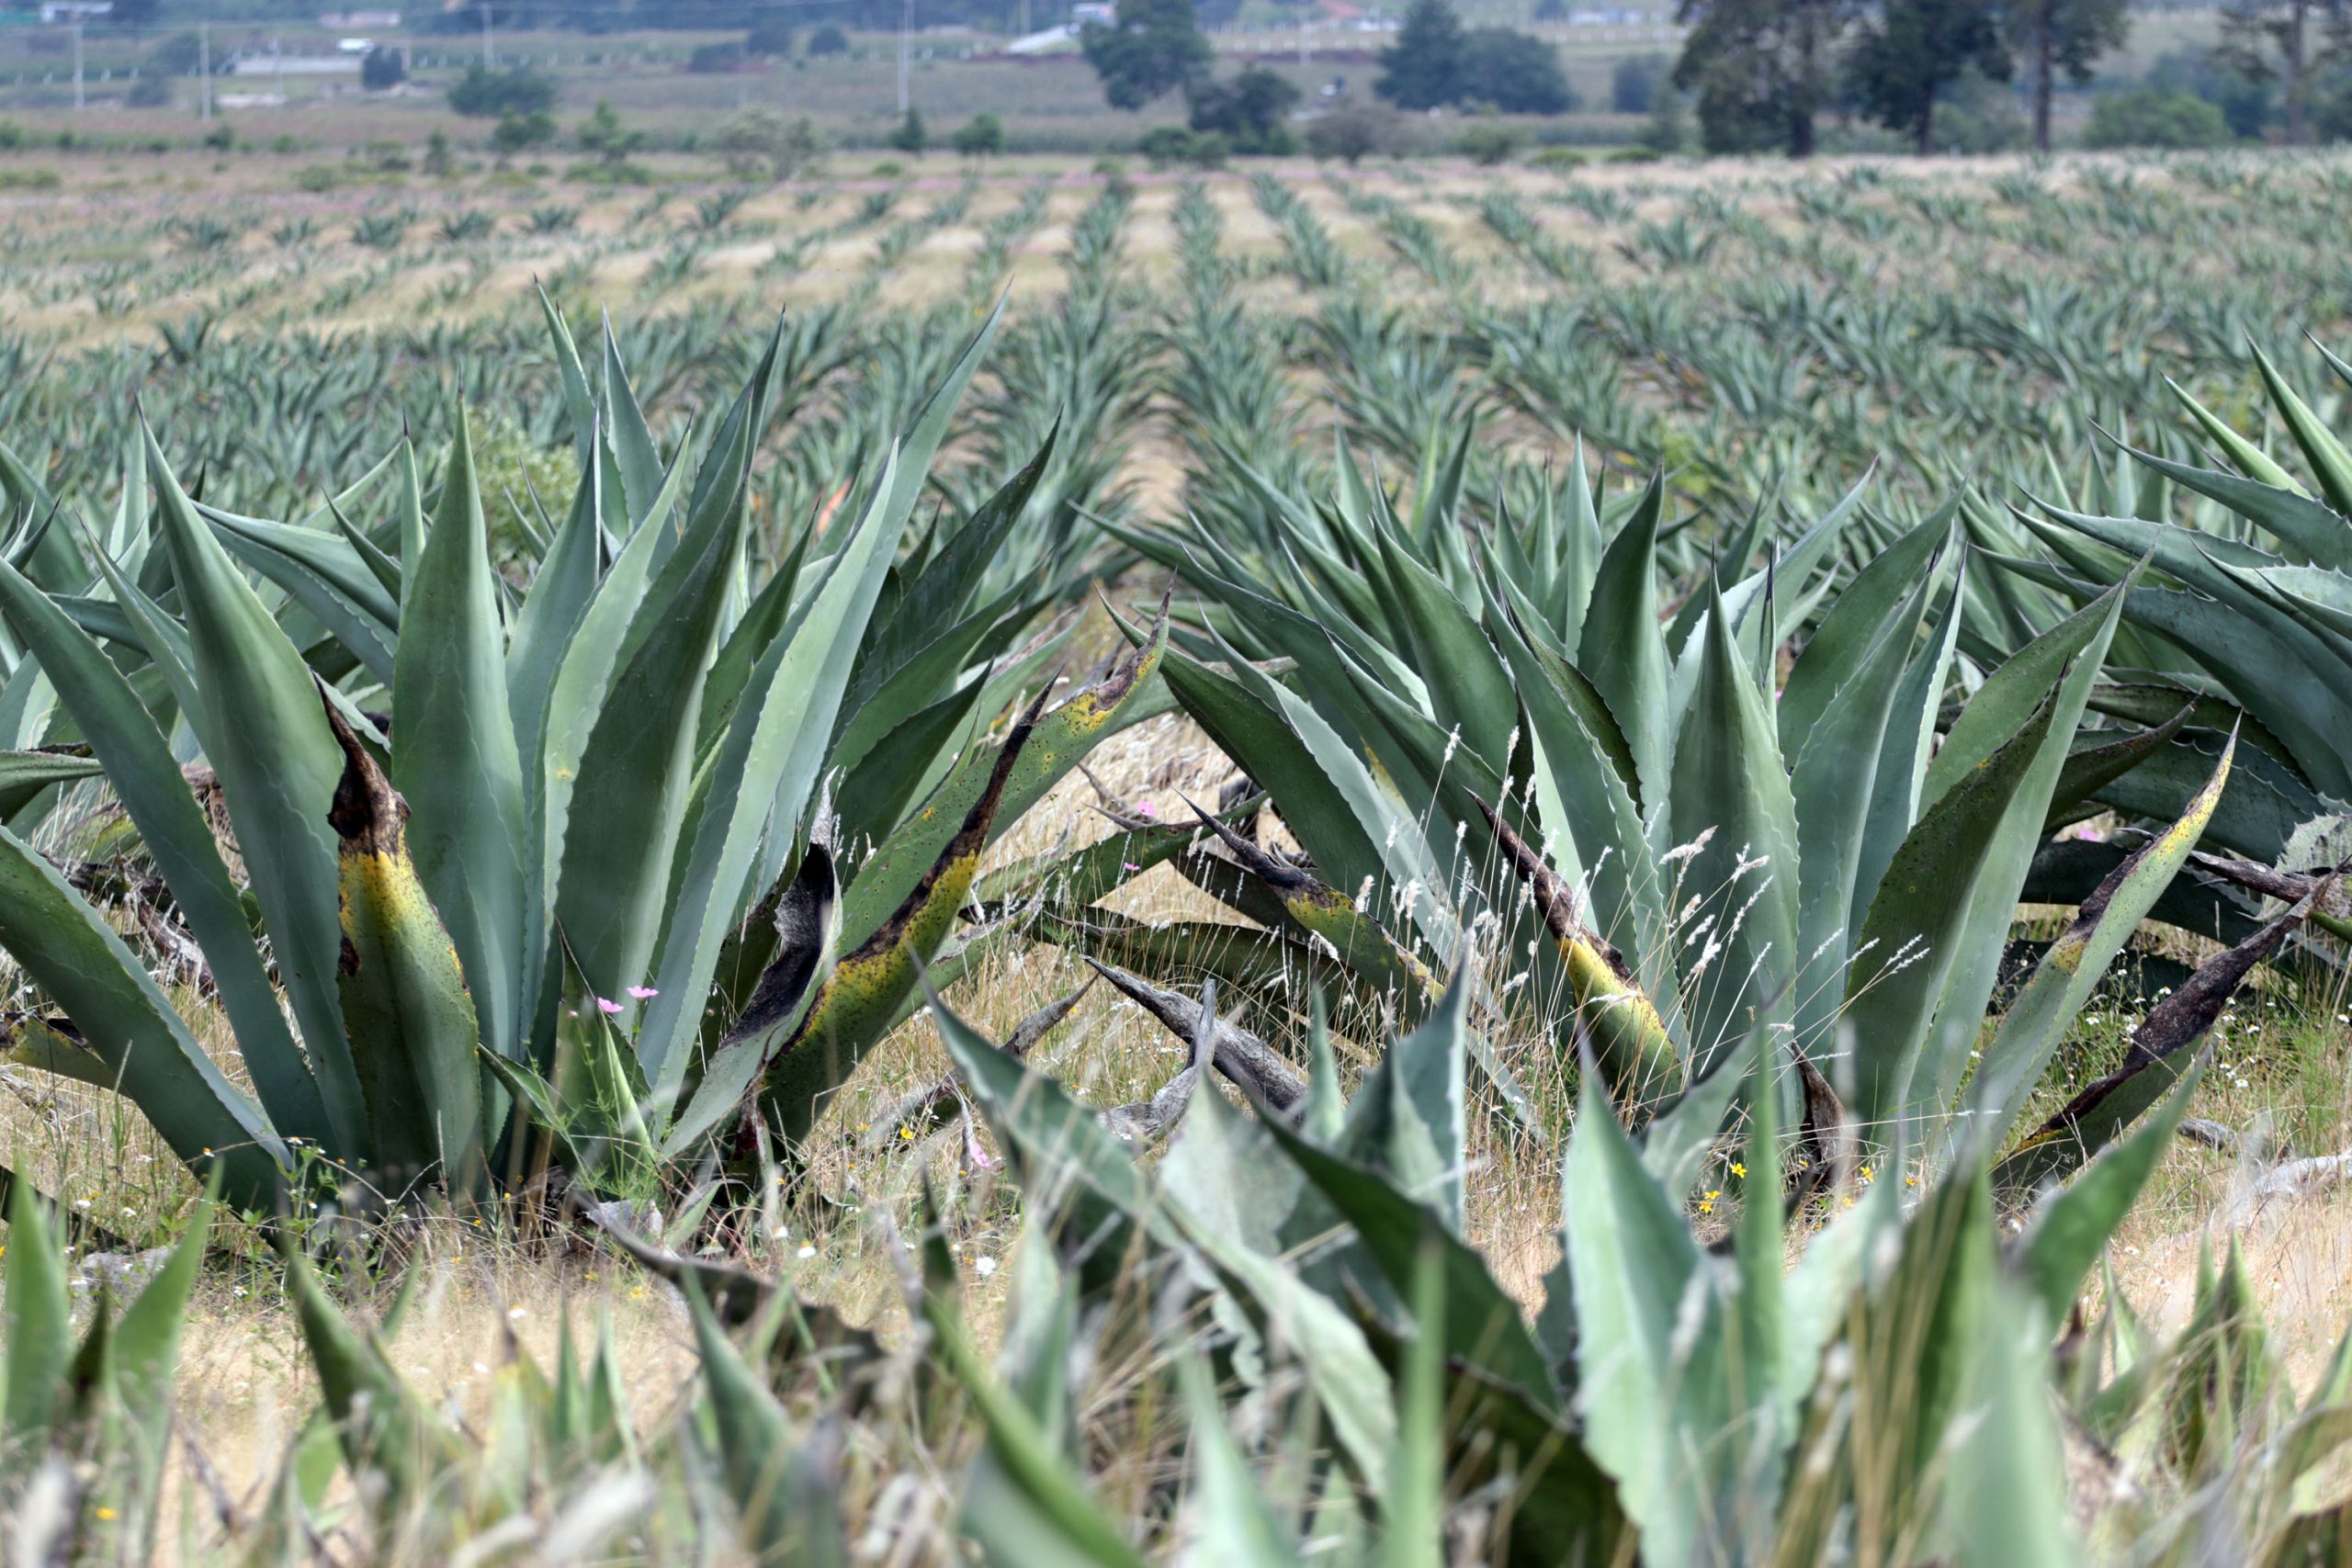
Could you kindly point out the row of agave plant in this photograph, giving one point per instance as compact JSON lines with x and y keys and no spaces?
{"x":607,"y":879}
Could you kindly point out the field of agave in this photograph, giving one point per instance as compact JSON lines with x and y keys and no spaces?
{"x":1420,"y":867}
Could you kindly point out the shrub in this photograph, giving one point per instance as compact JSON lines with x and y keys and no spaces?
{"x":768,"y":40}
{"x":316,"y":178}
{"x":1351,"y":130}
{"x":979,"y":136}
{"x":829,"y":40}
{"x":1487,"y":144}
{"x":520,"y":132}
{"x":2155,"y":117}
{"x":1167,"y":146}
{"x":1558,"y":160}
{"x":221,"y":138}
{"x":483,"y":94}
{"x":151,"y":90}
{"x":715,"y":59}
{"x":604,"y":135}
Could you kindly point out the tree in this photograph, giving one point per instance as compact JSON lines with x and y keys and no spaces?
{"x":2288,"y":42}
{"x":2246,"y":104}
{"x":1419,"y":71}
{"x":603,"y":137}
{"x":1250,"y":111}
{"x":829,"y":40}
{"x":762,"y":141}
{"x":381,"y":69}
{"x":1634,"y":84}
{"x":978,"y":137}
{"x":484,"y":94}
{"x":1760,"y":70}
{"x":1155,"y":47}
{"x":1916,"y":50}
{"x":2062,"y":34}
{"x":1668,"y":130}
{"x":2155,"y":117}
{"x":1511,"y":72}
{"x":911,"y":135}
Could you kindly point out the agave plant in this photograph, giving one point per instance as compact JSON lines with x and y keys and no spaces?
{"x":576,"y":867}
{"x":1707,"y":848}
{"x":1680,"y":1397}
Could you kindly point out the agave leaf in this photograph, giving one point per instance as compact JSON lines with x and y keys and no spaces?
{"x":577,"y":698}
{"x":2014,"y":1061}
{"x":1637,"y":1053}
{"x":2007,"y":1505}
{"x":41,"y":1331}
{"x":1621,"y":647}
{"x":766,"y":770}
{"x":785,"y":1486}
{"x":624,"y":818}
{"x":1233,"y":1523}
{"x":858,"y":1002}
{"x":1650,"y":1335}
{"x":897,"y":868}
{"x":1874,"y":604}
{"x":146,"y":779}
{"x":2156,"y":1060}
{"x":144,"y":1049}
{"x":325,"y":575}
{"x":25,"y":774}
{"x":454,"y":756}
{"x":2071,"y":1226}
{"x":412,"y":1024}
{"x":1483,"y":1326}
{"x":1470,"y":692}
{"x":2094,"y":761}
{"x":1918,"y":924}
{"x":383,"y":1428}
{"x":1244,"y":1059}
{"x":579,"y":401}
{"x":1729,"y":780}
{"x":2256,"y":815}
{"x":639,"y":459}
{"x":802,"y":924}
{"x":258,"y":714}
{"x":1833,"y":780}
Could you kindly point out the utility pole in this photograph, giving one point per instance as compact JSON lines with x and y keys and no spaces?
{"x":204,"y":66}
{"x":487,"y":61}
{"x":78,"y":60}
{"x":1305,"y":23}
{"x":906,"y":31}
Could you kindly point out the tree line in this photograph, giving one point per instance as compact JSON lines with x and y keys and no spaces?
{"x":1762,"y":73}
